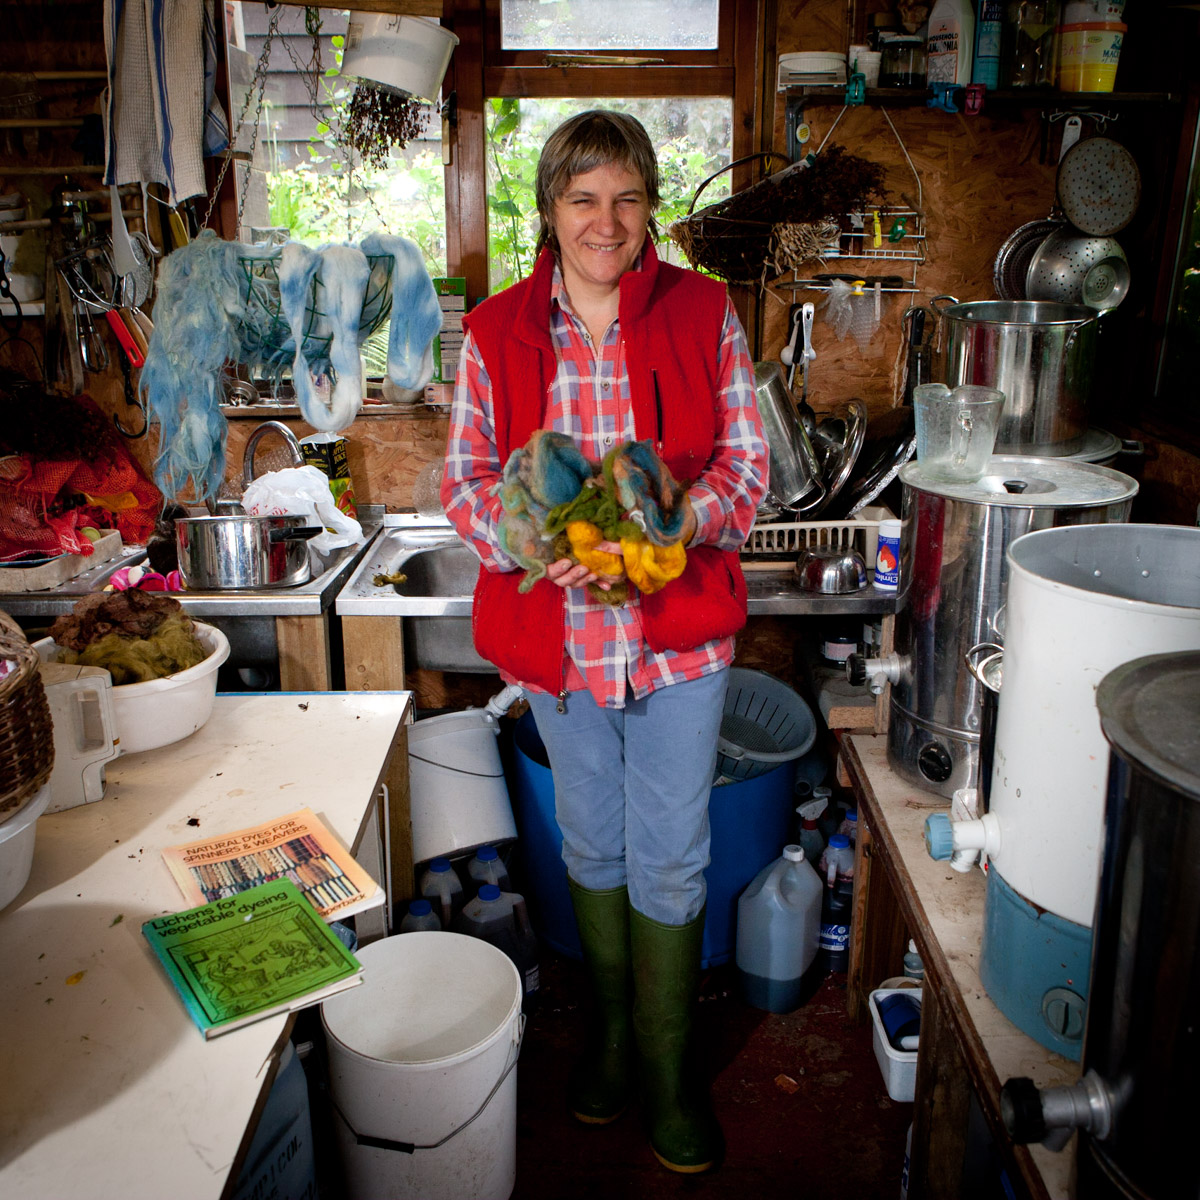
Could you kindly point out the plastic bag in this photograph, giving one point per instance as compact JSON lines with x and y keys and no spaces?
{"x":302,"y":492}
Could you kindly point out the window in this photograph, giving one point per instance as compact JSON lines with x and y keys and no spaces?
{"x":685,"y":68}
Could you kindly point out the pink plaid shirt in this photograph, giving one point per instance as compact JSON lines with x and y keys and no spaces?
{"x":589,"y":399}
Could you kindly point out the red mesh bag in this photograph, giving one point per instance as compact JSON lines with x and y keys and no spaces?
{"x":43,"y":502}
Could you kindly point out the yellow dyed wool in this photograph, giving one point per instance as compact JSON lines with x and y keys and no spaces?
{"x":173,"y":647}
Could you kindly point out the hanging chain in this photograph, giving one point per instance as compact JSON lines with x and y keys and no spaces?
{"x":259,"y":84}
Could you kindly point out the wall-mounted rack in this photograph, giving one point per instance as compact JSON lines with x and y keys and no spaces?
{"x":867,"y":236}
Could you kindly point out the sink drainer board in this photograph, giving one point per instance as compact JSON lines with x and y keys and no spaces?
{"x":773,"y":545}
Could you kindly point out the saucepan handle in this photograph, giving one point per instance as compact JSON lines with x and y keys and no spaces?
{"x":297,"y":533}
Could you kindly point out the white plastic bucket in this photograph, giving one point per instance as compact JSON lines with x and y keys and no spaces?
{"x":1081,"y":600}
{"x":422,"y":1070}
{"x":459,"y":797}
{"x":17,"y":835}
{"x":406,"y":54}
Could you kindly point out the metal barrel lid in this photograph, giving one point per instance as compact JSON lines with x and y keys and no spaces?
{"x":1015,"y":481}
{"x":1150,"y":715}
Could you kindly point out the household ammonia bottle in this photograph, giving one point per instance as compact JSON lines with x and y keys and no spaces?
{"x":486,"y":867}
{"x":420,"y":916}
{"x":441,"y":886}
{"x":501,"y":918}
{"x":778,"y":926}
{"x":950,"y":45}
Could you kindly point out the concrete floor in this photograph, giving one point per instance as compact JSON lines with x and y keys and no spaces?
{"x":799,"y":1095}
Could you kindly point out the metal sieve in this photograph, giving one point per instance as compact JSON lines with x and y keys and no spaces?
{"x":1013,"y":259}
{"x":1099,"y":186}
{"x":1061,"y":263}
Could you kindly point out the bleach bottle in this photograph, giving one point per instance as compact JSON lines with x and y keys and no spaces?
{"x":778,"y":928}
{"x":441,"y":886}
{"x":501,"y":918}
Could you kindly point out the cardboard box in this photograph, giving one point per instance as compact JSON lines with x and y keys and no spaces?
{"x":452,"y":297}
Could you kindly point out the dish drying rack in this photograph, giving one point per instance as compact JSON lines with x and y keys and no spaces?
{"x":775,"y":545}
{"x":865,"y":237}
{"x":265,"y":335}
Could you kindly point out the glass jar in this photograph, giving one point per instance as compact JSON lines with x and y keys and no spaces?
{"x":1027,"y":48}
{"x":903,"y":61}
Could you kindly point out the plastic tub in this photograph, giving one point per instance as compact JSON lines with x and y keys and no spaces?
{"x":899,"y":1067}
{"x":16,"y":845}
{"x":161,"y":711}
{"x":405,"y":54}
{"x":1088,"y":54}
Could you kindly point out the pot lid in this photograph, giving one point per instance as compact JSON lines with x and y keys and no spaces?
{"x":1099,"y":446}
{"x":1150,"y":714}
{"x":1013,"y":481}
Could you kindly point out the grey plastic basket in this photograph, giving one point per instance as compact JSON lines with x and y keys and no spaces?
{"x":765,"y":723}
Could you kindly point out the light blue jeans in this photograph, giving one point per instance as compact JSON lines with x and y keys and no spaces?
{"x":631,"y":790}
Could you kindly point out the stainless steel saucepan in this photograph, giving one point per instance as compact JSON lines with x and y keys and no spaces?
{"x":218,"y":553}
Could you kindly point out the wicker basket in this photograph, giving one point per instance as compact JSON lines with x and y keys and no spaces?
{"x":744,"y":251}
{"x":26,"y":729}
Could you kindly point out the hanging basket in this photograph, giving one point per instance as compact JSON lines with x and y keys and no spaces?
{"x":737,"y":248}
{"x":26,"y":728}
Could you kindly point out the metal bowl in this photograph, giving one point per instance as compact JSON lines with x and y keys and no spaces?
{"x":1063,"y":261}
{"x":831,"y":571}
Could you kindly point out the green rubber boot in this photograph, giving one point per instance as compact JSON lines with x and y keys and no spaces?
{"x":600,"y":1084}
{"x":684,"y":1132}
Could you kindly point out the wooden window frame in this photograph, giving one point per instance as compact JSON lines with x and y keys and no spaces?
{"x":478,"y":72}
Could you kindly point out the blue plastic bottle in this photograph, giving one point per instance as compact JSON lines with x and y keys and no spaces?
{"x":778,"y":927}
{"x":501,"y":918}
{"x":441,"y":886}
{"x":487,"y":867}
{"x":420,"y":916}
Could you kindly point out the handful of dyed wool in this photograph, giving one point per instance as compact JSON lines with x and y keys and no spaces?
{"x":559,"y":504}
{"x":134,"y":635}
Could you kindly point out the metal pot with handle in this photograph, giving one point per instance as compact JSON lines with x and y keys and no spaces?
{"x":219,"y":553}
{"x":1040,"y":355}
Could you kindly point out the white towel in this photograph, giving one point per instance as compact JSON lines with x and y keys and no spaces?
{"x":158,"y":105}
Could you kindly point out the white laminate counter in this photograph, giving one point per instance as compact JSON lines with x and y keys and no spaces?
{"x":107,"y":1088}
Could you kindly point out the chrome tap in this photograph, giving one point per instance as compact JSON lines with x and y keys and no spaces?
{"x":252,"y":443}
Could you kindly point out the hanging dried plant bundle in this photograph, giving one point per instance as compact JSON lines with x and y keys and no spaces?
{"x":782,"y":222}
{"x":380,"y":118}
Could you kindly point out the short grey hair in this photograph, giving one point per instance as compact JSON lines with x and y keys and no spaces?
{"x":584,"y":142}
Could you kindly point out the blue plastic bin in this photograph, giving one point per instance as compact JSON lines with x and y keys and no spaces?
{"x":750,"y":822}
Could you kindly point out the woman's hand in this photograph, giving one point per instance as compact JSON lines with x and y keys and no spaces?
{"x":565,"y":572}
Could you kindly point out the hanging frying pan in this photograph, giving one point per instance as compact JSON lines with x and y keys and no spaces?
{"x":1099,"y":186}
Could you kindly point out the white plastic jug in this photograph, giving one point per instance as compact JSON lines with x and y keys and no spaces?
{"x":837,"y":861}
{"x":778,"y":927}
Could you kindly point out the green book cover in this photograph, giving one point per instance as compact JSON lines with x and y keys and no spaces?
{"x":250,"y":956}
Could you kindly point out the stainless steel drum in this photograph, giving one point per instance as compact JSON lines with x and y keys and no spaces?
{"x":1040,"y":355}
{"x":1141,"y":1038}
{"x":952,"y":548}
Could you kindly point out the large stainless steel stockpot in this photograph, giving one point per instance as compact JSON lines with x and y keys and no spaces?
{"x":218,"y":553}
{"x":953,"y":570}
{"x":1040,"y":355}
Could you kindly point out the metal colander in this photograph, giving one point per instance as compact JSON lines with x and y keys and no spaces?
{"x":1099,"y":186}
{"x":1061,"y":263}
{"x":1012,"y":261}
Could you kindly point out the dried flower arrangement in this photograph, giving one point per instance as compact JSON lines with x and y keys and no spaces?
{"x":380,"y":118}
{"x":781,"y":222}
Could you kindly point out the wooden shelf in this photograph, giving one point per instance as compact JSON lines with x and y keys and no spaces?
{"x":1012,"y":98}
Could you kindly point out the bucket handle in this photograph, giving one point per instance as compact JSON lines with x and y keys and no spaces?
{"x":974,"y":666}
{"x":376,"y":1143}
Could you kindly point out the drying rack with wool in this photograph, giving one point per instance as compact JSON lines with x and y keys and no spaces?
{"x":560,"y":504}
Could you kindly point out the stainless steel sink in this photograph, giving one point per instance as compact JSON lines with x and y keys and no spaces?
{"x":433,"y":598}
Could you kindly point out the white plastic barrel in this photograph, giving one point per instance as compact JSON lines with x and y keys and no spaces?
{"x":422,"y":1070}
{"x":1081,"y":600}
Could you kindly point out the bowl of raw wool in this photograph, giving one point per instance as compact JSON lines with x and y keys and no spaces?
{"x":163,"y":664}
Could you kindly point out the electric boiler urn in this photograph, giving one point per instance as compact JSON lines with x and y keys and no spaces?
{"x":953,"y":570}
{"x":1140,"y":1054}
{"x":1081,"y":601}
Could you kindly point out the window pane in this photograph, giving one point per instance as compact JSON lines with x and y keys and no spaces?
{"x":613,"y":25}
{"x":306,"y":178}
{"x":691,"y":137}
